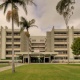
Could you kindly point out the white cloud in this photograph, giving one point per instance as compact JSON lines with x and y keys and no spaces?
{"x":36,"y":32}
{"x":46,"y":16}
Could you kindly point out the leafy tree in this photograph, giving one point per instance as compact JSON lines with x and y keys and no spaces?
{"x":14,"y":6}
{"x":76,"y":46}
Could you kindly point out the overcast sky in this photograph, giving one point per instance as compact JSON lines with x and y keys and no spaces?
{"x":46,"y":17}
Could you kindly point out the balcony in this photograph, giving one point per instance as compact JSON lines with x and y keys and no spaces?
{"x":61,"y":42}
{"x":10,"y":35}
{"x":61,"y":55}
{"x":11,"y":55}
{"x":14,"y":43}
{"x":15,"y":49}
{"x":58,"y":36}
{"x":38,"y":46}
{"x":58,"y":48}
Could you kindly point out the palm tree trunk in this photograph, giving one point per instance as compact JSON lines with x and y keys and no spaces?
{"x":66,"y":22}
{"x":13,"y":64}
{"x":28,"y":48}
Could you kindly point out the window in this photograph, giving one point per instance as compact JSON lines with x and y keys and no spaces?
{"x":77,"y":33}
{"x":9,"y":58}
{"x":34,"y":40}
{"x":16,"y":33}
{"x":61,"y":52}
{"x":41,"y":40}
{"x":60,"y":39}
{"x":60,"y":33}
{"x":8,"y":52}
{"x":16,"y":46}
{"x":60,"y":45}
{"x":8,"y":33}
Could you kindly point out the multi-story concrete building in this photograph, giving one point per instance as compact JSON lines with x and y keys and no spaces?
{"x":60,"y":41}
{"x":55,"y":46}
{"x":20,"y":42}
{"x":38,"y":43}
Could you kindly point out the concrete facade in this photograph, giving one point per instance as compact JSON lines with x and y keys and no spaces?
{"x":56,"y":45}
{"x":60,"y":41}
{"x":20,"y":41}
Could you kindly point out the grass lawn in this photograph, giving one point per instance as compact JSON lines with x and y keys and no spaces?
{"x":43,"y":72}
{"x":3,"y":65}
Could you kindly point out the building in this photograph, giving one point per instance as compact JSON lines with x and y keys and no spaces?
{"x":54,"y":47}
{"x":20,"y":42}
{"x":60,"y":41}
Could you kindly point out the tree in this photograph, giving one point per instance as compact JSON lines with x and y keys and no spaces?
{"x":76,"y":46}
{"x":65,"y":8}
{"x":14,"y":3}
{"x":26,"y":25}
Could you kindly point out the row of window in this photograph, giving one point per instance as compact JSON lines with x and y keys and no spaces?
{"x":10,"y":52}
{"x":10,"y":46}
{"x":34,"y":40}
{"x":66,"y":33}
{"x":61,"y":52}
{"x":10,"y":40}
{"x":15,"y":34}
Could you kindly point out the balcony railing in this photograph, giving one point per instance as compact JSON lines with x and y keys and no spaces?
{"x":60,"y":46}
{"x":60,"y":40}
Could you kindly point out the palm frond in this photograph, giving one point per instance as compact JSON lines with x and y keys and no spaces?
{"x":30,"y":2}
{"x":9,"y":15}
{"x":23,"y":19}
{"x":6,"y":6}
{"x":59,"y":8}
{"x":22,"y":3}
{"x":2,"y":5}
{"x":64,"y":5}
{"x":32,"y":21}
{"x":15,"y":16}
{"x":21,"y":23}
{"x":27,"y":24}
{"x":14,"y":6}
{"x":34,"y":26}
{"x":24,"y":7}
{"x":65,"y":8}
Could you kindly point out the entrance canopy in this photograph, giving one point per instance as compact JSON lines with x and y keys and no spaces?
{"x":36,"y":53}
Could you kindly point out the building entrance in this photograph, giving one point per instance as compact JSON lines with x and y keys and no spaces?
{"x":25,"y":60}
{"x":47,"y":60}
{"x":36,"y":59}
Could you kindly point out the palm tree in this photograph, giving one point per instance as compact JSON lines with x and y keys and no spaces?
{"x":26,"y":25}
{"x":65,"y":8}
{"x":14,"y":3}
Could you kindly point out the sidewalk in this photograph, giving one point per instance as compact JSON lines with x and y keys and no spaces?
{"x":9,"y":67}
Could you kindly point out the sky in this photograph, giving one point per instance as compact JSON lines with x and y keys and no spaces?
{"x":46,"y":17}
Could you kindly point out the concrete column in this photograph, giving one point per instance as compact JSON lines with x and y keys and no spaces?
{"x":3,"y":48}
{"x":28,"y":59}
{"x":23,"y":58}
{"x":52,"y":40}
{"x":44,"y":58}
{"x":50,"y":59}
{"x":71,"y":37}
